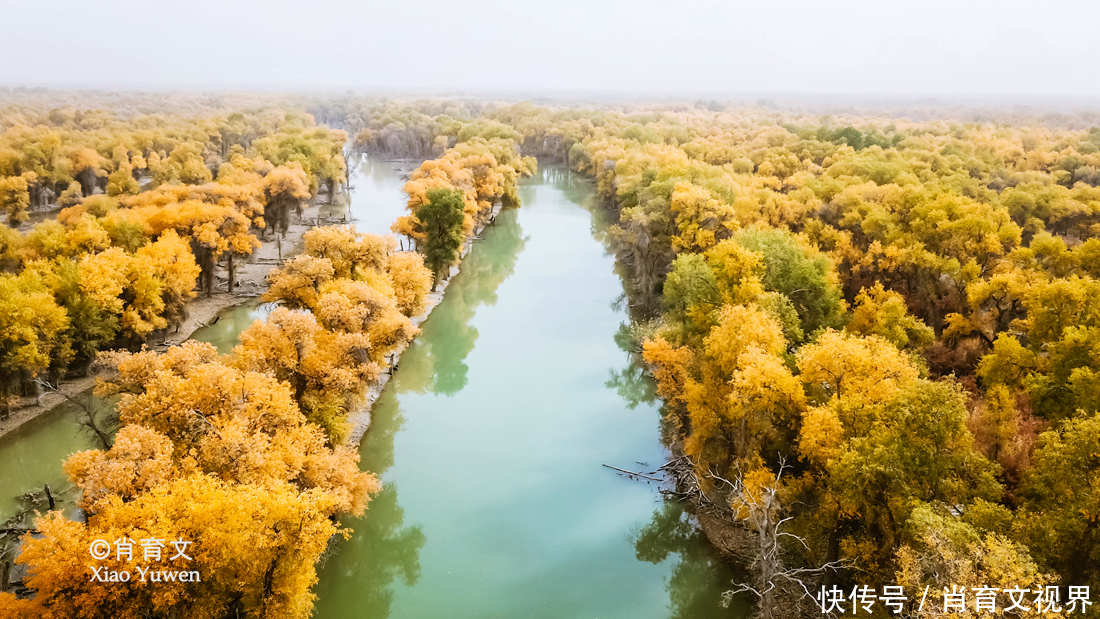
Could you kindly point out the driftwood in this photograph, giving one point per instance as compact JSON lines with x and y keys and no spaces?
{"x":102,"y":435}
{"x":208,"y":323}
{"x":633,"y":474}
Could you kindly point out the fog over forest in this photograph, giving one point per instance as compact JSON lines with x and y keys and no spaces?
{"x":611,"y":46}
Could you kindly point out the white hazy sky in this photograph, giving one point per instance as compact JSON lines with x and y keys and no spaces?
{"x":932,"y":47}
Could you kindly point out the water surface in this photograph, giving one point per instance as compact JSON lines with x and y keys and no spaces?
{"x":376,"y":197}
{"x":31,"y":457}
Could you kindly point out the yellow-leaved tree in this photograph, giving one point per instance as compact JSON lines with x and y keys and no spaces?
{"x":31,"y":326}
{"x":326,"y":370}
{"x":211,"y":456}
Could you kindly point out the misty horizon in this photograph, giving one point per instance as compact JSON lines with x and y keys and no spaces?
{"x":893,"y":104}
{"x":698,"y":48}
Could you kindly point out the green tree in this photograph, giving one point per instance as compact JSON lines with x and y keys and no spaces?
{"x":943,"y":550}
{"x":883,"y":313}
{"x":1060,"y":515}
{"x":442,"y":217}
{"x":691,"y":294}
{"x":917,"y":451}
{"x":91,"y":328}
{"x":799,"y":273}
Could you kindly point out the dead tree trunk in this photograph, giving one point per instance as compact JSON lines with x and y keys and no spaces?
{"x":778,"y":588}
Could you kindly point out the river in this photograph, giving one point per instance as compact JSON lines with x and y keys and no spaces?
{"x":491,"y":437}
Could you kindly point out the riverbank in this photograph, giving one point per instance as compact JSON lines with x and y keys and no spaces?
{"x":360,"y":418}
{"x":251,"y":283}
{"x":726,"y":536}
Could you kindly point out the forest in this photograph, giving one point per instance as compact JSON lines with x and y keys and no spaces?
{"x":875,"y":336}
{"x":241,"y":455}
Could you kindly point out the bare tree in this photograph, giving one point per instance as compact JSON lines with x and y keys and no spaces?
{"x":100,"y":424}
{"x":760,"y":511}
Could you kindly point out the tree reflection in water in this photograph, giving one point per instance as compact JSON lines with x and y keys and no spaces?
{"x":382,"y":550}
{"x":698,"y":577}
{"x":437,"y":362}
{"x":631,"y":383}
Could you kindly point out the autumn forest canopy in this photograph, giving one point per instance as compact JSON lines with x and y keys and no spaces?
{"x":875,"y":335}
